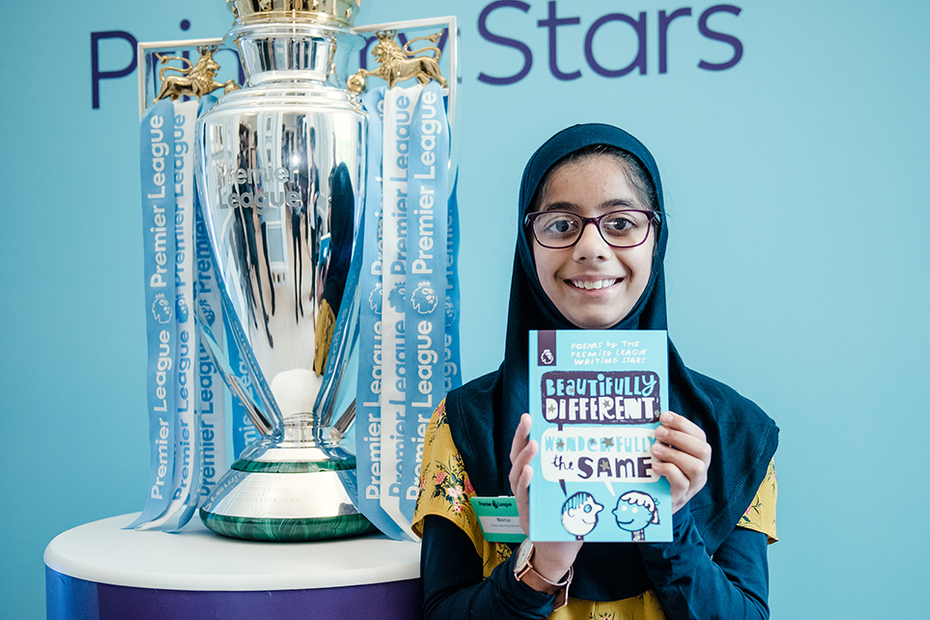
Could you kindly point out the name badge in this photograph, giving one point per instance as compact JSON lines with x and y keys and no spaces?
{"x":498,"y":518}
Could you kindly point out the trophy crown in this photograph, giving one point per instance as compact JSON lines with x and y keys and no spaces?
{"x":336,"y":12}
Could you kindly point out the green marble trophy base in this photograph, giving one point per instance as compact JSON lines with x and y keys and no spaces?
{"x":288,"y":530}
{"x":286,"y":491}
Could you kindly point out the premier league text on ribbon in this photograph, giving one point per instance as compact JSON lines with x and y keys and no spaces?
{"x":407,"y":355}
{"x":186,"y":412}
{"x":426,"y":285}
{"x":371,"y":363}
{"x":158,"y":204}
{"x":399,"y":105}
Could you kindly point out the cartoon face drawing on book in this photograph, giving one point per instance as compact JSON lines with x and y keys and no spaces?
{"x":579,"y":514}
{"x":634,"y":512}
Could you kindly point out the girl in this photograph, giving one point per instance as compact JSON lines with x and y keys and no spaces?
{"x":590,"y":255}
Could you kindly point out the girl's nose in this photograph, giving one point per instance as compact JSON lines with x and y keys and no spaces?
{"x":591,"y":245}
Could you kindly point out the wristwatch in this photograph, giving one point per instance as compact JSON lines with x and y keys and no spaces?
{"x":523,"y":571}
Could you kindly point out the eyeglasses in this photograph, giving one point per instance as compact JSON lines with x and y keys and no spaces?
{"x":619,"y":229}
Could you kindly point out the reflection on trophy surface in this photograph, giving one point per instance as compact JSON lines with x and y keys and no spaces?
{"x":281,"y":172}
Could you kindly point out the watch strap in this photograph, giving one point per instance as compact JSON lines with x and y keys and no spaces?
{"x":528,"y":575}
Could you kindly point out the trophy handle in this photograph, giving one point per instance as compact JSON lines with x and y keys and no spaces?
{"x":261,"y":422}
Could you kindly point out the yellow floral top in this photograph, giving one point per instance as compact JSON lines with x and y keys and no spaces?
{"x":445,"y":491}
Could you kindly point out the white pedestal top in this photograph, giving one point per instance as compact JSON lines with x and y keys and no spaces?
{"x":198,"y":559}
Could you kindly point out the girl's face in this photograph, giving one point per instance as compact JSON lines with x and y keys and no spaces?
{"x":591,"y":283}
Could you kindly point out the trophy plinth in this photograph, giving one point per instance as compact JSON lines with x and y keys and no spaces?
{"x":281,"y":167}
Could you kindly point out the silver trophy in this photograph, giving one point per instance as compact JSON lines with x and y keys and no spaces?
{"x":281,"y":170}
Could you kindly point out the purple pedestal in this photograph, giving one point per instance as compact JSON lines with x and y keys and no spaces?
{"x":99,"y":571}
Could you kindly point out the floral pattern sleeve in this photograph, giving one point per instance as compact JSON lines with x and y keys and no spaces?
{"x":445,"y":490}
{"x":760,"y":515}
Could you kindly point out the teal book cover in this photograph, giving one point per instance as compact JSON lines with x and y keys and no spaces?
{"x":596,"y":397}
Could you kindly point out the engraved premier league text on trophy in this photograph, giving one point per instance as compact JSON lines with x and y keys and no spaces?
{"x":281,"y":173}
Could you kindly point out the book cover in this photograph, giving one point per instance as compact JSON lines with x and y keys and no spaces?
{"x":596,"y":397}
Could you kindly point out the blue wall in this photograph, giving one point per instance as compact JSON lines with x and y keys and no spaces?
{"x":797,"y":182}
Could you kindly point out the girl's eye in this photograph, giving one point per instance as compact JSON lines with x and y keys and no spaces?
{"x":619,"y":224}
{"x":587,"y":508}
{"x":559,"y":225}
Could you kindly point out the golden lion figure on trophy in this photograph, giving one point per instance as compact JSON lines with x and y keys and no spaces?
{"x":398,"y":64}
{"x":195,"y":80}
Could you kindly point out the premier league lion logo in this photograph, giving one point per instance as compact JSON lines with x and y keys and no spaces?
{"x":376,"y":299}
{"x":161,"y":309}
{"x":182,"y":312}
{"x":424,"y":298}
{"x":207,"y":312}
{"x":396,"y":297}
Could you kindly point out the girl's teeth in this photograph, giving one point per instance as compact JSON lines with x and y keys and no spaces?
{"x":594,"y":285}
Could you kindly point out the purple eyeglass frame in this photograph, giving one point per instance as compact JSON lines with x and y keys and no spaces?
{"x":651,"y":216}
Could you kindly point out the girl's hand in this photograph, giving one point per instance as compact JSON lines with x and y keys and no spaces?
{"x":682,"y":455}
{"x":551,"y":560}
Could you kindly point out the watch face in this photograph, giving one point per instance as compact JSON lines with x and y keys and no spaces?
{"x":524,"y":551}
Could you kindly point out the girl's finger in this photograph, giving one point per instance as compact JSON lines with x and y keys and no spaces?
{"x":521,"y":436}
{"x":674,"y":421}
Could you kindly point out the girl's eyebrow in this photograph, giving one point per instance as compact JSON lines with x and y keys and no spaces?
{"x":614,"y":202}
{"x":621,"y":202}
{"x":560,"y":206}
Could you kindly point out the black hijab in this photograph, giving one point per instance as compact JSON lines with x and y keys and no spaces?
{"x":484,"y":413}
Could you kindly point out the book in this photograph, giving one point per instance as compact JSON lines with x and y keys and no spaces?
{"x":595,"y":398}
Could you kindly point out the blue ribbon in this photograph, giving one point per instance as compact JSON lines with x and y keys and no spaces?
{"x":158,"y":206}
{"x":368,"y":398}
{"x":424,"y":333}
